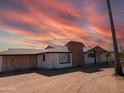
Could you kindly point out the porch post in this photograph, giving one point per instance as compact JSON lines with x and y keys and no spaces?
{"x":95,"y":56}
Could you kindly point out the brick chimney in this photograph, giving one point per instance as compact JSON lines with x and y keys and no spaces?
{"x":77,"y":52}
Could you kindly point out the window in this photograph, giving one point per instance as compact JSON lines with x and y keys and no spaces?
{"x":64,"y":58}
{"x":91,"y":54}
{"x":44,"y":57}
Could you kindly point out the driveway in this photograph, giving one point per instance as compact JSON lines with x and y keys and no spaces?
{"x":73,"y":80}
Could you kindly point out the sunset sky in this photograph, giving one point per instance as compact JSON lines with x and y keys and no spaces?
{"x":38,"y":23}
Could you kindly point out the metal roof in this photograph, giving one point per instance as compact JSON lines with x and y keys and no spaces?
{"x":87,"y":48}
{"x":19,"y":51}
{"x":50,"y":49}
{"x":56,"y":49}
{"x":62,"y":48}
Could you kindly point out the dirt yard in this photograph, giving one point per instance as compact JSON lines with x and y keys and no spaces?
{"x":73,"y":80}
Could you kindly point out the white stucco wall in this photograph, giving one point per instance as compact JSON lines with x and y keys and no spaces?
{"x":103,"y":58}
{"x":44,"y":64}
{"x":53,"y":58}
{"x":0,"y":63}
{"x":52,"y":61}
{"x":100,"y":58}
{"x":88,"y":60}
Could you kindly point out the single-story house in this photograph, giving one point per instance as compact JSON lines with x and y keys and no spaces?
{"x":55,"y":57}
{"x":51,"y":57}
{"x":72,"y":54}
{"x":15,"y":59}
{"x":95,"y":55}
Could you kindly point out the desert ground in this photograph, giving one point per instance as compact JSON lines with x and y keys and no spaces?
{"x":96,"y":79}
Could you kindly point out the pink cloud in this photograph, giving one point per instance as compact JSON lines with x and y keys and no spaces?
{"x":58,"y":22}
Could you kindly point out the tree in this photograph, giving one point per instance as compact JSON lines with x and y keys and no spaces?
{"x":118,"y":68}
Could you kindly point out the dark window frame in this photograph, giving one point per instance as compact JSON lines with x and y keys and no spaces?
{"x":44,"y":57}
{"x":62,"y":58}
{"x":91,"y":54}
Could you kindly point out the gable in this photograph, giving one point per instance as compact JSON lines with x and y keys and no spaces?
{"x":97,"y":48}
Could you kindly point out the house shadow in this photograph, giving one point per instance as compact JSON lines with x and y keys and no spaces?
{"x":16,"y":72}
{"x":86,"y":69}
{"x":56,"y":72}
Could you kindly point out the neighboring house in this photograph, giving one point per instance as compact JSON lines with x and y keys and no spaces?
{"x":72,"y":54}
{"x":95,"y":55}
{"x":122,"y":50}
{"x":111,"y":57}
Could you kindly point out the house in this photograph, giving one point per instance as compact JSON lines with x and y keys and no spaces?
{"x":54,"y":57}
{"x":95,"y":55}
{"x":15,"y":59}
{"x":51,"y":57}
{"x":71,"y":55}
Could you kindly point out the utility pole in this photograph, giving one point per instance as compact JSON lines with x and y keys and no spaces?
{"x":118,"y":68}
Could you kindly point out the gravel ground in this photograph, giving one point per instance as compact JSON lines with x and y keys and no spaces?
{"x":74,"y":80}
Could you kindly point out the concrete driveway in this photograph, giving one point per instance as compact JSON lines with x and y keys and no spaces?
{"x":74,"y":80}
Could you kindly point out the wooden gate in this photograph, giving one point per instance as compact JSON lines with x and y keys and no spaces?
{"x":11,"y":63}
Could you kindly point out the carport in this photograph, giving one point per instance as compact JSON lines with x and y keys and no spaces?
{"x":16,"y":59}
{"x":16,"y":62}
